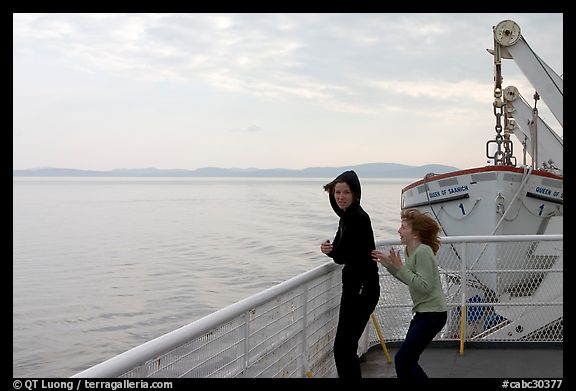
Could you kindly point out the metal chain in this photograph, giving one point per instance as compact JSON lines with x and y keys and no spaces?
{"x":498,"y":109}
{"x":504,"y":151}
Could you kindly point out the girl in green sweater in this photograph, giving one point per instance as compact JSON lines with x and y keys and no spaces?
{"x":419,"y":233}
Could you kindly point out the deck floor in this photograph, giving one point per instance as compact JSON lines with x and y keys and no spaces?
{"x":445,"y":361}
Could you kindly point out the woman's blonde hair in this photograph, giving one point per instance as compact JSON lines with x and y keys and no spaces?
{"x":424,"y":226}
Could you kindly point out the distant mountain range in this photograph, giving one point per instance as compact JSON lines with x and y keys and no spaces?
{"x":371,"y":170}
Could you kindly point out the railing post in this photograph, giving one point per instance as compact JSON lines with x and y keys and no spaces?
{"x":463,"y":311}
{"x":305,"y":364}
{"x":246,"y":341}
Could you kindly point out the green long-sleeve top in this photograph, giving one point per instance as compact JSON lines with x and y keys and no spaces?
{"x":420,"y":273}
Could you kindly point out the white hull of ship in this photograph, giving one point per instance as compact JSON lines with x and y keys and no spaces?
{"x":473,"y":201}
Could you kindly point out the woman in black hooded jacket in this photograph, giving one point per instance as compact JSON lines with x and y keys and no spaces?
{"x":352,"y":247}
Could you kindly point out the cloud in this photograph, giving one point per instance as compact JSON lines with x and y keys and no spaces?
{"x":325,"y":76}
{"x":253,"y":129}
{"x":248,"y":129}
{"x":447,"y":91}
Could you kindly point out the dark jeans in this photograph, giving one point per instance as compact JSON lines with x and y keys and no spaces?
{"x":423,"y":328}
{"x":356,"y":306}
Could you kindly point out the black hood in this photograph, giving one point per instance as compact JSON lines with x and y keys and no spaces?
{"x":352,"y":180}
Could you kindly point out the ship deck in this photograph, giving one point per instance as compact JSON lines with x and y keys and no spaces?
{"x":486,"y":360}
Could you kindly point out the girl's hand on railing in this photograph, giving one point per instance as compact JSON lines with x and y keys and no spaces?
{"x":326,"y":247}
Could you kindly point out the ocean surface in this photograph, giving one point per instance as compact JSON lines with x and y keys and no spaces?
{"x":101,"y":265}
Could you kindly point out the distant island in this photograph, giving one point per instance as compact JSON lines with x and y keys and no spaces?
{"x":370,"y":170}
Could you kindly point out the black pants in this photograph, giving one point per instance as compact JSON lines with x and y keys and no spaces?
{"x":356,"y":306}
{"x":423,"y":328}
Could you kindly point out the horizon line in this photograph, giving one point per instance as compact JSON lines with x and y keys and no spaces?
{"x":228,"y":168}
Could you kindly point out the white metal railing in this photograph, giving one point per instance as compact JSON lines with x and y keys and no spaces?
{"x":288,"y":330}
{"x":512,"y":291}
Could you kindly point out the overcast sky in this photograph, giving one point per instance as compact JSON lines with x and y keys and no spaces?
{"x":105,"y":91}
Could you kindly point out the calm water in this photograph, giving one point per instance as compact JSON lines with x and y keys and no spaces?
{"x":102,"y":265}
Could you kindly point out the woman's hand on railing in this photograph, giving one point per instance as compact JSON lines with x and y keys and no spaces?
{"x":326,"y":247}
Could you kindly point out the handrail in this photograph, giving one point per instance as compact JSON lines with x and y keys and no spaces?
{"x":486,"y":238}
{"x":123,"y":362}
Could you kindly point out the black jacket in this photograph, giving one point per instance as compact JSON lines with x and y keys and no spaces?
{"x":354,"y":240}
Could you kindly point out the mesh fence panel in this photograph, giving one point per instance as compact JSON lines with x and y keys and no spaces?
{"x":512,"y":292}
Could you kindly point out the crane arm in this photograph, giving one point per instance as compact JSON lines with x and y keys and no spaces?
{"x":509,"y":43}
{"x":549,"y":85}
{"x":543,"y":145}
